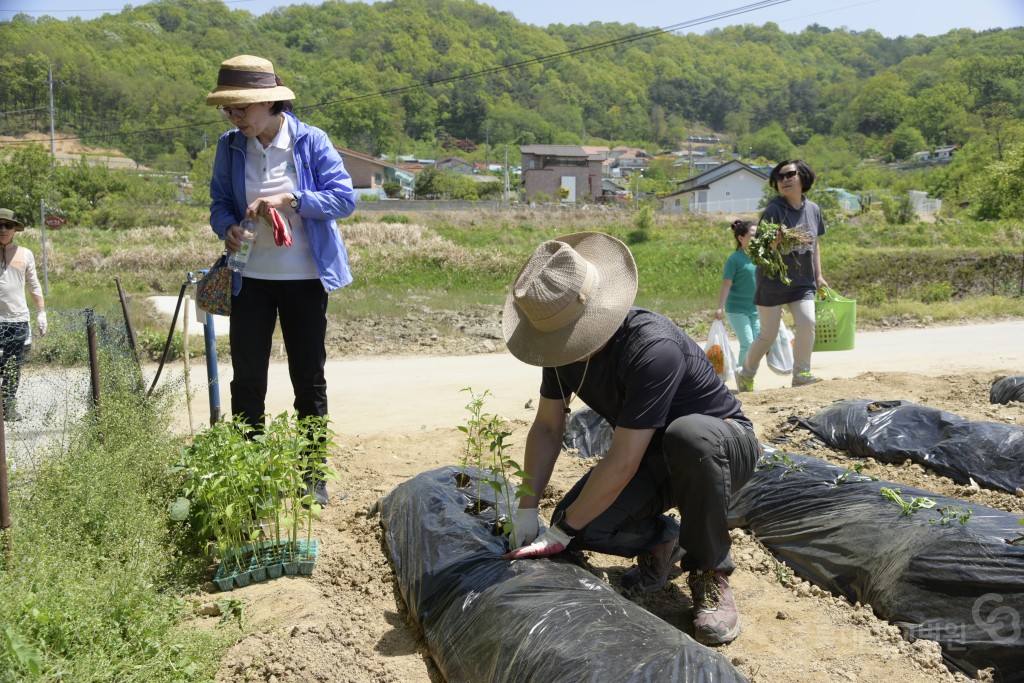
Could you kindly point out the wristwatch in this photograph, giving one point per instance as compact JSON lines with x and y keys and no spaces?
{"x":559,"y":521}
{"x":295,"y":203}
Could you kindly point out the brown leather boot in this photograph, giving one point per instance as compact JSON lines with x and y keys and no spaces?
{"x":715,"y":620}
{"x":651,"y":572}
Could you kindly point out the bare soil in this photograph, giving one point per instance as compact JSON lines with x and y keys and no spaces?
{"x":348,"y":621}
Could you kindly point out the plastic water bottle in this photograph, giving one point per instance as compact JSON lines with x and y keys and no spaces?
{"x":237,"y":260}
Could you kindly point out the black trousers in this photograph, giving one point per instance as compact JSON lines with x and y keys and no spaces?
{"x":301,"y":306}
{"x":701,"y":461}
{"x":12,"y":345}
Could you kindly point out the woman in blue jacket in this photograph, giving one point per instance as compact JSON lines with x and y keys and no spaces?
{"x":274,"y":161}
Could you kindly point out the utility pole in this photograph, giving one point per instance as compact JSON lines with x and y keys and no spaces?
{"x":505,"y":197}
{"x":42,"y":232}
{"x":53,"y":153}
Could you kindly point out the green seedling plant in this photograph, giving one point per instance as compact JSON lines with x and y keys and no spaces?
{"x":1020,"y":537}
{"x":476,"y":440}
{"x":952,"y":513}
{"x":783,"y":574}
{"x":501,"y":471}
{"x":243,"y":492}
{"x":853,"y":474}
{"x":907,"y":507}
{"x":781,"y":459}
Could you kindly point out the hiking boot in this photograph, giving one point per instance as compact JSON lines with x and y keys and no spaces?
{"x":715,"y":621}
{"x":651,"y":572}
{"x":316,"y":488}
{"x":744,"y":382}
{"x":802,"y":379}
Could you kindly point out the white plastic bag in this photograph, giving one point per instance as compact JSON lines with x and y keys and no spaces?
{"x":722,"y":358}
{"x":780,"y":355}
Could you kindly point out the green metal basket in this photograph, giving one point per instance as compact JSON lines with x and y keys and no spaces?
{"x":836,"y":321}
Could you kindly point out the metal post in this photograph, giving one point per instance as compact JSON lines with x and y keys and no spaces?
{"x":94,"y":360}
{"x":53,"y":151}
{"x":42,"y":232}
{"x":5,"y":507}
{"x":185,"y":360}
{"x":210,"y":337}
{"x":127,"y":318}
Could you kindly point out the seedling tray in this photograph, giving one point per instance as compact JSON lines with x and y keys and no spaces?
{"x":272,"y":561}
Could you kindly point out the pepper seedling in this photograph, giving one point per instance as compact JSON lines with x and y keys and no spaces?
{"x":906,"y":507}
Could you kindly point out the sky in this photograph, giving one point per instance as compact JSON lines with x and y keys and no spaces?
{"x":891,"y":18}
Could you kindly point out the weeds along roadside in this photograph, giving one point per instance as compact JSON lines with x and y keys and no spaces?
{"x":405,"y":262}
{"x":95,"y":583}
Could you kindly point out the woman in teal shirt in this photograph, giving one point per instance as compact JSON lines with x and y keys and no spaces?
{"x":736,"y":298}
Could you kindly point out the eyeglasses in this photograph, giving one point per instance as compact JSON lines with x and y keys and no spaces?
{"x":8,"y":226}
{"x":788,"y":174}
{"x":233,"y":112}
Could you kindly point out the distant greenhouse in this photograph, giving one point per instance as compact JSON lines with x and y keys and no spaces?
{"x":847,"y":200}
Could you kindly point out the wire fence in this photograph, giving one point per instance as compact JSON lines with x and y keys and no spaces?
{"x":61,"y":382}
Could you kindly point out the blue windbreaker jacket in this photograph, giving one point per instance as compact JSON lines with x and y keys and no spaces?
{"x":324,"y":192}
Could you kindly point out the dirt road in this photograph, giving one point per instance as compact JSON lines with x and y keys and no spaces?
{"x":383,"y":394}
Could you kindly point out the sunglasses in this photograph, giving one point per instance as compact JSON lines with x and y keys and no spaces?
{"x":233,"y":112}
{"x":8,"y":226}
{"x":788,"y":174}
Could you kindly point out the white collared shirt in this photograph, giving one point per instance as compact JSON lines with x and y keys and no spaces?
{"x":271,"y":170}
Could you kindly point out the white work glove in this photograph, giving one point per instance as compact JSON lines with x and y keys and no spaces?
{"x":41,"y":323}
{"x":526,"y":525}
{"x":551,"y":542}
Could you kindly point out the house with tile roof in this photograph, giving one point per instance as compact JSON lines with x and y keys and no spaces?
{"x":369,"y":174}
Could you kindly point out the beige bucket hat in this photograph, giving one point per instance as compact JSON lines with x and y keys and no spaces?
{"x":8,"y":216}
{"x":569,"y":298}
{"x":246,"y":79}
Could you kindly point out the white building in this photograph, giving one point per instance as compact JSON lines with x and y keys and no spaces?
{"x":732,"y":187}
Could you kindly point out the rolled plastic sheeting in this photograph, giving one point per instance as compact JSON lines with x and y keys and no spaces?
{"x":990,"y":453}
{"x":488,"y":619}
{"x":959,"y":585}
{"x":588,"y":433}
{"x":1007,"y":389}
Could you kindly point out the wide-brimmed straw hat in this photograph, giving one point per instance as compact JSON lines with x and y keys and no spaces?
{"x":246,"y":79}
{"x":569,"y":298}
{"x":8,"y":215}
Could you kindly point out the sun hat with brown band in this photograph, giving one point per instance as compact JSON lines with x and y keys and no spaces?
{"x":246,"y":79}
{"x":7,"y":216}
{"x":569,"y":298}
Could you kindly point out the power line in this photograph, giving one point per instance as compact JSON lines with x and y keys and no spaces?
{"x":633,"y":37}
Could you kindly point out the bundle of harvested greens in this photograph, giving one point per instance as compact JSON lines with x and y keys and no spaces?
{"x":765,"y":254}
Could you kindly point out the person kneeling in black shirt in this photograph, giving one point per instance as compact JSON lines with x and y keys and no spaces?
{"x":680,"y":438}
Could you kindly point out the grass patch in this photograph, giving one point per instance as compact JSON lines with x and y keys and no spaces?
{"x":443,"y":260}
{"x":93,"y":590}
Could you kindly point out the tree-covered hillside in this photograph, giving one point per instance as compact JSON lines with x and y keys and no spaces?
{"x":410,"y":76}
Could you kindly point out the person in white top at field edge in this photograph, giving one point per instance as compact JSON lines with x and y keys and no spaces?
{"x":17,"y":267}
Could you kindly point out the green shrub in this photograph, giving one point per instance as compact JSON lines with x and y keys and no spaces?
{"x":932,"y":292}
{"x":93,"y":592}
{"x":398,"y":219}
{"x":898,"y":211}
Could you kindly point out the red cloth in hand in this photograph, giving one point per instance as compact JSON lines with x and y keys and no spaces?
{"x":282,"y":230}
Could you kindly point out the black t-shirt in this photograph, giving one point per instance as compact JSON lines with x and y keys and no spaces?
{"x":649,"y":374}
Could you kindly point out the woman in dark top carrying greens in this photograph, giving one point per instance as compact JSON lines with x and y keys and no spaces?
{"x":791,"y":209}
